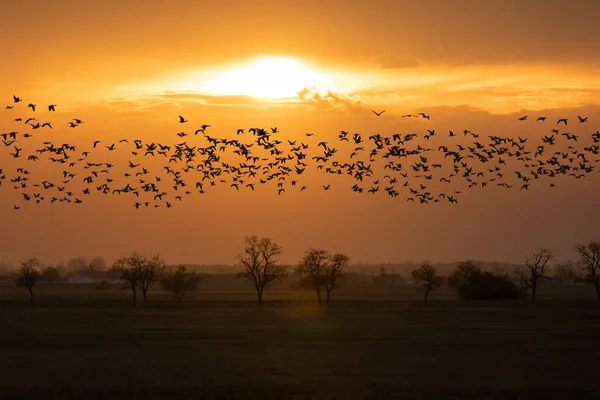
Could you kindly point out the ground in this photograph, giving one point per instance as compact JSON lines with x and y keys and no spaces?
{"x":85,"y":343}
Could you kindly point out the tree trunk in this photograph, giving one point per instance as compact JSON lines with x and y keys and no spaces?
{"x":259,"y":294}
{"x":134,"y":295}
{"x":319,"y":295}
{"x":328,"y":296}
{"x":597,"y":284}
{"x":425,"y":298}
{"x":533,"y":292}
{"x":30,"y":294}
{"x":144,"y":294}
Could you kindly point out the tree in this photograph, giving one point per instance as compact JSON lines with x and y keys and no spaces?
{"x":179,"y":281}
{"x":427,"y":279}
{"x":139,"y":272}
{"x":321,"y":270}
{"x":536,"y":269}
{"x":565,"y":273}
{"x":313,"y":269}
{"x":471,"y":283}
{"x":77,"y":264}
{"x":49,"y":274}
{"x":462,"y":277}
{"x":97,"y":264}
{"x":259,"y":261}
{"x":589,"y":263}
{"x":29,"y":272}
{"x":335,"y":272}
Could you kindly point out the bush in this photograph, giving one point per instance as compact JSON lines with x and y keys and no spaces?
{"x":472,"y":284}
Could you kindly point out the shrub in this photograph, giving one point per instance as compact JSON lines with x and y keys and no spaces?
{"x":472,"y":283}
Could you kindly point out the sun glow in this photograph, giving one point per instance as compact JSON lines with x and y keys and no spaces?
{"x":270,"y":77}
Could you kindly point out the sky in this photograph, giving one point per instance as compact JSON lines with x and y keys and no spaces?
{"x":129,"y":69}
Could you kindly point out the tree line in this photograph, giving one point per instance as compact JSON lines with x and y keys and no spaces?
{"x":322,"y":271}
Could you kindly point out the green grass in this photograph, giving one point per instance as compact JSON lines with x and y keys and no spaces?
{"x":76,"y":342}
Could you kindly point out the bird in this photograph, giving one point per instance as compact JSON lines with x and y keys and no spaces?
{"x":182,"y":120}
{"x":563,"y":120}
{"x":32,"y":106}
{"x":51,"y":107}
{"x":582,"y":119}
{"x":523,"y":118}
{"x":378,"y":113}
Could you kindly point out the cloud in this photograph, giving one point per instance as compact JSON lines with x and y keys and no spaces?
{"x":141,"y":105}
{"x":329,"y":100}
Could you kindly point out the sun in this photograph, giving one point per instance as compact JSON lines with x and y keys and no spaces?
{"x":269,"y":78}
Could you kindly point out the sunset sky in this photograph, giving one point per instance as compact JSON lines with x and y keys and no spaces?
{"x":129,"y":68}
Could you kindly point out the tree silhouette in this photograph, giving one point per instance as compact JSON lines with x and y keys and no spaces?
{"x":427,"y":279}
{"x":462,"y":276}
{"x":565,"y":273}
{"x":259,"y":261}
{"x":139,"y":272}
{"x":589,"y":262}
{"x":321,"y":270}
{"x":179,"y":281}
{"x":29,"y":272}
{"x":536,"y":268}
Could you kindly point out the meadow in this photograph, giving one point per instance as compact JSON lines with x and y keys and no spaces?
{"x":78,"y":342}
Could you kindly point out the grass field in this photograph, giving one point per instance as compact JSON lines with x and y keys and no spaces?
{"x":81,"y":343}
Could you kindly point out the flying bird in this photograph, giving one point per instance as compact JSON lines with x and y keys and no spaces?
{"x":378,"y":113}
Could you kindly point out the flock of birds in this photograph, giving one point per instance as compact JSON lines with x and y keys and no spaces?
{"x":158,"y":174}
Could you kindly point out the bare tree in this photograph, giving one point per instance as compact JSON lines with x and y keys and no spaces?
{"x":29,"y":272}
{"x":565,"y":273}
{"x":589,"y":262}
{"x":427,"y":278}
{"x":335,"y":272}
{"x":77,"y":264}
{"x":139,"y":272}
{"x":313,"y":269}
{"x":536,"y":268}
{"x":179,"y":281}
{"x":259,"y":261}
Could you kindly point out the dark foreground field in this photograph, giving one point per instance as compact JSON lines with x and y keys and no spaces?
{"x":85,"y":344}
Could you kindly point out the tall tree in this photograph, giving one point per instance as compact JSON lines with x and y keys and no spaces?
{"x":260,"y":264}
{"x":28,"y":274}
{"x":335,"y":272}
{"x":536,"y":268}
{"x":589,"y":263}
{"x":427,"y":279}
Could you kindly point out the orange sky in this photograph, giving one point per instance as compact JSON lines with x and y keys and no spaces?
{"x":130,"y":68}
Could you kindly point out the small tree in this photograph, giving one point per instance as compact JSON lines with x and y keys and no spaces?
{"x":335,"y":272}
{"x":565,"y":273}
{"x":49,"y":274}
{"x":313,"y":269}
{"x":139,"y":272}
{"x":589,"y":263}
{"x":321,"y":270}
{"x":536,"y":269}
{"x":427,"y":279}
{"x":462,"y":277}
{"x":97,"y":264}
{"x":179,"y":281}
{"x":259,"y":261}
{"x":29,"y":272}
